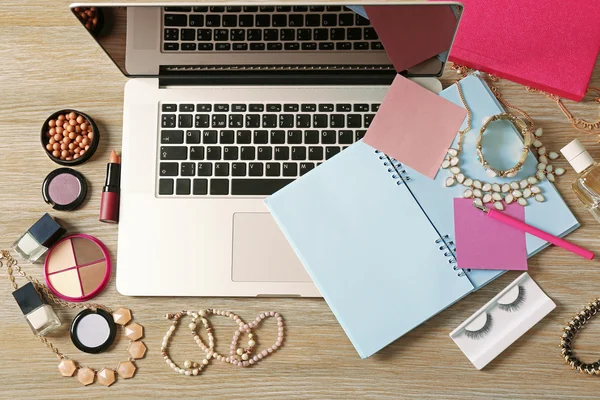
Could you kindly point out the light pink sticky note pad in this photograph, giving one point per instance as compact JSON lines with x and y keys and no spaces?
{"x":484,"y":243}
{"x":415,"y":126}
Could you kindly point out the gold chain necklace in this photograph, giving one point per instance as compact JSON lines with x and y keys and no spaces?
{"x":495,"y":193}
{"x":578,"y":123}
{"x":67,"y":367}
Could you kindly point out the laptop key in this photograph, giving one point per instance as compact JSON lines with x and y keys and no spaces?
{"x":263,"y":20}
{"x":320,"y":120}
{"x":204,"y":35}
{"x":226,"y":137}
{"x":321,"y":34}
{"x":209,"y":137}
{"x":329,"y":20}
{"x":173,"y":153}
{"x":196,"y":153}
{"x":269,"y":120}
{"x":248,"y":153}
{"x":338,"y":34}
{"x":219,"y":186}
{"x":257,"y":187}
{"x":185,"y":121}
{"x":200,"y":187}
{"x":246,"y":20}
{"x":279,"y":20}
{"x":282,"y":153}
{"x":201,"y":120}
{"x":273,"y":107}
{"x":368,"y":119}
{"x":274,"y":46}
{"x":254,"y":35}
{"x":178,"y":9}
{"x":192,"y":137}
{"x":360,"y":134}
{"x":271,"y":34}
{"x":203,"y":107}
{"x":236,"y":120}
{"x":171,"y":34}
{"x":223,"y":46}
{"x":219,"y":120}
{"x":328,"y":137}
{"x":370,"y":34}
{"x":343,"y":107}
{"x":303,"y":120}
{"x":261,"y":137}
{"x":343,"y":46}
{"x":205,"y":46}
{"x":165,"y":186}
{"x":168,"y":169}
{"x":230,"y":153}
{"x":331,"y":151}
{"x":243,"y":137}
{"x":255,"y":169}
{"x":354,"y":121}
{"x":309,"y":46}
{"x":186,"y":108}
{"x":337,"y":120}
{"x":311,"y":137}
{"x":252,"y":121}
{"x":265,"y":153}
{"x":204,"y":169}
{"x":286,"y":121}
{"x":256,"y":107}
{"x":346,"y":137}
{"x":374,"y":107}
{"x":326,"y":46}
{"x":175,"y":20}
{"x":238,"y":34}
{"x":315,"y":153}
{"x":346,"y":19}
{"x":213,"y":20}
{"x":196,"y":20}
{"x":221,"y":35}
{"x":289,"y":107}
{"x":188,"y":169}
{"x":294,"y":137}
{"x":238,"y":169}
{"x":362,"y":21}
{"x":216,"y":9}
{"x":298,"y":153}
{"x":221,"y":169}
{"x":296,"y":20}
{"x":306,"y":167}
{"x":171,"y":137}
{"x":188,"y":46}
{"x":171,"y":46}
{"x":230,"y":20}
{"x":277,"y":137}
{"x":213,"y":153}
{"x":376,"y":46}
{"x":290,"y":169}
{"x":361,"y":46}
{"x":188,"y":34}
{"x":304,"y":34}
{"x":313,"y":20}
{"x":167,"y":121}
{"x":240,"y":46}
{"x":291,"y":46}
{"x":273,"y":169}
{"x":354,"y":34}
{"x":287,"y":34}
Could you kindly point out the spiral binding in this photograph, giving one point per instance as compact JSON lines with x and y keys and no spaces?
{"x":394,"y":167}
{"x":449,"y":249}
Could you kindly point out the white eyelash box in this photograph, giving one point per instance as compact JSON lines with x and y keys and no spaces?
{"x":500,"y":322}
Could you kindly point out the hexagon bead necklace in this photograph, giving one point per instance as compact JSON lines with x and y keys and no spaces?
{"x":67,"y":367}
{"x":495,"y":193}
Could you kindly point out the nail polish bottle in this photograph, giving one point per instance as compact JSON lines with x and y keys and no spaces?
{"x":587,"y":184}
{"x":39,"y":238}
{"x":40,"y":316}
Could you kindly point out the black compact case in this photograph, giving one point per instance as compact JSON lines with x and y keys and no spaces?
{"x":77,"y":333}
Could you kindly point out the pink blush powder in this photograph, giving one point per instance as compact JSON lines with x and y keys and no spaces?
{"x":64,"y":189}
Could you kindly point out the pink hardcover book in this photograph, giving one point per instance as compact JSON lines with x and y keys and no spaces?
{"x":550,"y":45}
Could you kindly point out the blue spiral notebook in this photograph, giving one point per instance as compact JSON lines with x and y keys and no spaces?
{"x":376,"y":236}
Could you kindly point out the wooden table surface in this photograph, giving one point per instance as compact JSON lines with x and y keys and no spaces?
{"x":48,"y":62}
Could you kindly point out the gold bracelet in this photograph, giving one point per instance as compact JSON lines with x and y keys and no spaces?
{"x":527,"y":140}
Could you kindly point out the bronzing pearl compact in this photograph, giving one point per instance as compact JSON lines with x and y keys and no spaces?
{"x":93,"y":331}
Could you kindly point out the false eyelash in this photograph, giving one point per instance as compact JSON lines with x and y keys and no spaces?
{"x":480,"y":333}
{"x":515,"y":305}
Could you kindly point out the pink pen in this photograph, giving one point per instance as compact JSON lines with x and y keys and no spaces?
{"x":522,"y":226}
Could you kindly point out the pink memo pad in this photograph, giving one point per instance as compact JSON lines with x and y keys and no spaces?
{"x":415,"y":126}
{"x":551,"y":45}
{"x":484,"y":243}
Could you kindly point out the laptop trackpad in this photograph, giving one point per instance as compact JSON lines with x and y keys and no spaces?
{"x":261,"y":253}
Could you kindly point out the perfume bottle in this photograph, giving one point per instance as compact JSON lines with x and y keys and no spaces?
{"x":39,"y":238}
{"x":40,"y":316}
{"x":587,"y":185}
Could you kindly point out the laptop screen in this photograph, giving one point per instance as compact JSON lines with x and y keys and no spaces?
{"x":412,"y":39}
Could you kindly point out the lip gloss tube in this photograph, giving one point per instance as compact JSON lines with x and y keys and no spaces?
{"x":109,"y":204}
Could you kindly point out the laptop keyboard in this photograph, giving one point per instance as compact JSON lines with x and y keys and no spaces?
{"x":243,"y":149}
{"x":266,"y":28}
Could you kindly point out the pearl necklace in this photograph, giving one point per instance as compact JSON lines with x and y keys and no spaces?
{"x":242,"y":357}
{"x":516,"y":191}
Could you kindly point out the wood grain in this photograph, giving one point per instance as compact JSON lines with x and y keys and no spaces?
{"x":49,"y":62}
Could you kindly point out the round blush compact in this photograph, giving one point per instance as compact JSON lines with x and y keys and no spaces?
{"x":93,"y":331}
{"x":65,"y":189}
{"x":77,"y":268}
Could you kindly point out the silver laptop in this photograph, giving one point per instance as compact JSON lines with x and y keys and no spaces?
{"x":227,"y":103}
